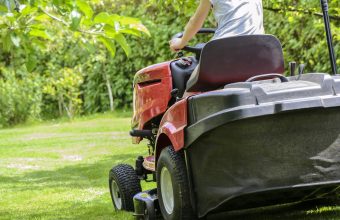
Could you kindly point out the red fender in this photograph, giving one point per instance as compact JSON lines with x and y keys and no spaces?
{"x":171,"y":129}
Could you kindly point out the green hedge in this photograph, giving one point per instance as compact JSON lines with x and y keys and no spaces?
{"x":70,"y":76}
{"x":302,"y":36}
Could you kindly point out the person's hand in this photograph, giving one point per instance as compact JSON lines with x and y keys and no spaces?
{"x":176,"y":44}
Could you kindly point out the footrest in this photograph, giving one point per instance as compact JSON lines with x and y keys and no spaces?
{"x":149,"y":163}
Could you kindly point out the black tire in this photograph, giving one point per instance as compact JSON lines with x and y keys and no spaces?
{"x":174,"y":163}
{"x":124,"y":178}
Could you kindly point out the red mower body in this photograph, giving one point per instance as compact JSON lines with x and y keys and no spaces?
{"x":152,"y":93}
{"x":152,"y":103}
{"x":240,"y":133}
{"x":172,"y":126}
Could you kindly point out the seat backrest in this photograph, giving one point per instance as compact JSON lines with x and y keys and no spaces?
{"x":236,"y":59}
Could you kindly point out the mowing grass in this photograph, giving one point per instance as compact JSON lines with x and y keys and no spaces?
{"x":59,"y":170}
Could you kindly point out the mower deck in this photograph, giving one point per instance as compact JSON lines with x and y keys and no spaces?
{"x":257,"y":139}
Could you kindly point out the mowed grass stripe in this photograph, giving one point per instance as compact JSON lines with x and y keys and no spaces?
{"x":59,"y":170}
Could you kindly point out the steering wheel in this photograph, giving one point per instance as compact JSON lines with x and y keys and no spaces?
{"x":196,"y":50}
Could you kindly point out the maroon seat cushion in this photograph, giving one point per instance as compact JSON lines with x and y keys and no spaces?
{"x":236,"y":59}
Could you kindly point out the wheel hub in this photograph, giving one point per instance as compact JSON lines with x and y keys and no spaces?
{"x":116,"y":195}
{"x":167,"y":190}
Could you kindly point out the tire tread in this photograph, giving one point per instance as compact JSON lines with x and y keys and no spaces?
{"x":181,"y":178}
{"x":128,"y":183}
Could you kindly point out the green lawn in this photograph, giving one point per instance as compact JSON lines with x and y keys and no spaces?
{"x":58,"y":170}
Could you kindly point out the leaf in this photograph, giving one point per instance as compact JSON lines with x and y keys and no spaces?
{"x":87,"y":22}
{"x":110,"y":31}
{"x":134,"y":23}
{"x":31,"y":63}
{"x":76,"y":19}
{"x":32,"y":3}
{"x":39,"y":33}
{"x":15,"y":39}
{"x":123,"y":43}
{"x":109,"y":45}
{"x":38,"y":43}
{"x":10,"y":17}
{"x":7,"y":42}
{"x":28,"y":10}
{"x":104,"y":18}
{"x":131,"y":32}
{"x":89,"y":47}
{"x":128,"y":20}
{"x":38,"y":26}
{"x":85,"y":8}
{"x":42,"y":18}
{"x":142,"y":28}
{"x":3,"y":9}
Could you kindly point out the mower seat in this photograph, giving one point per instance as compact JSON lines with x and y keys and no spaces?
{"x":181,"y":71}
{"x":236,"y":59}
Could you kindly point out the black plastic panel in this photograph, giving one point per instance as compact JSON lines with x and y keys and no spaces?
{"x":181,"y":73}
{"x":282,"y":151}
{"x":251,"y":140}
{"x":245,"y":100}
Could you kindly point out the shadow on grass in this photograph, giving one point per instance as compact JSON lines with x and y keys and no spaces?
{"x":84,"y":176}
{"x":325,"y":209}
{"x":74,"y":179}
{"x":74,"y":176}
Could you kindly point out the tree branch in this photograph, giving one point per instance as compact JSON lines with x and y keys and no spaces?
{"x":54,"y":17}
{"x":67,"y":24}
{"x":17,"y":5}
{"x":332,"y":17}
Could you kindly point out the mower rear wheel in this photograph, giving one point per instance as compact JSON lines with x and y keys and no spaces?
{"x":173,"y":187}
{"x":124,"y":185}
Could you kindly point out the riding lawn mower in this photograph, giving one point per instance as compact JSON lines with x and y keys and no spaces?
{"x":227,"y":130}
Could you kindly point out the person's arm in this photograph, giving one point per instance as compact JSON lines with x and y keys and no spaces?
{"x":195,"y":23}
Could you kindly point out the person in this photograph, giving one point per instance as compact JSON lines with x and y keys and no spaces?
{"x":234,"y":18}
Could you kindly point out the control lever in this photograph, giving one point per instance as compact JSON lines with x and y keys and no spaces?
{"x":292,"y":68}
{"x":301,"y":69}
{"x":184,"y":62}
{"x":174,"y":93}
{"x":179,"y":54}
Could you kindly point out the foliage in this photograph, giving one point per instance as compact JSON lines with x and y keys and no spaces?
{"x":302,"y":36}
{"x":33,"y":22}
{"x":162,"y":24}
{"x":303,"y":39}
{"x":63,"y":86}
{"x":32,"y":34}
{"x":299,"y":26}
{"x":102,"y":82}
{"x":20,"y":96}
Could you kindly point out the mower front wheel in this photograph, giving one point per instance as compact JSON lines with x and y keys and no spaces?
{"x":124,"y":185}
{"x":173,"y":187}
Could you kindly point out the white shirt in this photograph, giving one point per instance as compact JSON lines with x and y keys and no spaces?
{"x":238,"y":17}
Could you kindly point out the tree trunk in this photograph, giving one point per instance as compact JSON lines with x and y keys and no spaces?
{"x":109,"y":90}
{"x":60,"y":105}
{"x":108,"y":85}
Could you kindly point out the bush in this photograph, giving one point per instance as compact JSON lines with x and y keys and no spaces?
{"x":72,"y":74}
{"x":20,"y":96}
{"x":302,"y":37}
